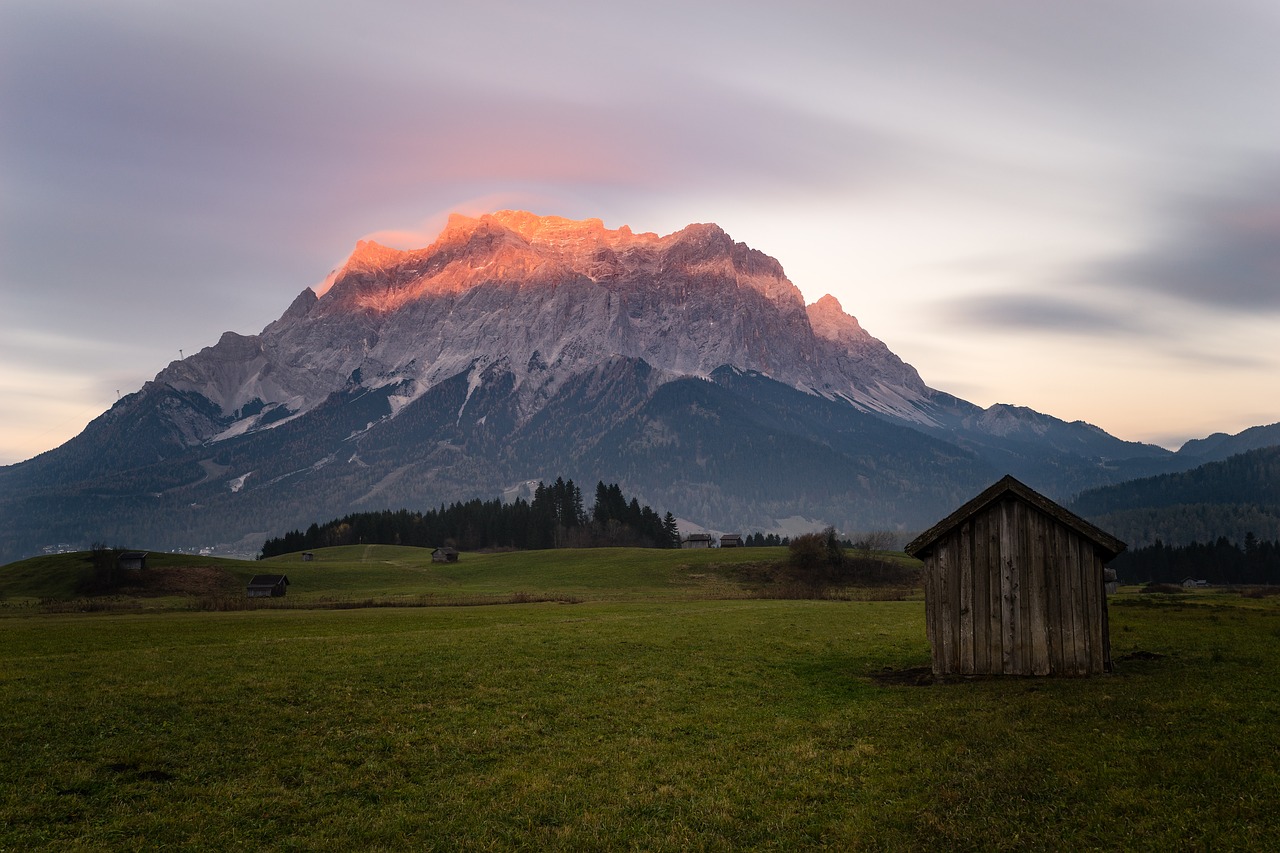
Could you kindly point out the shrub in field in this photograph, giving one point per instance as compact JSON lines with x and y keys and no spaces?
{"x":105,"y":576}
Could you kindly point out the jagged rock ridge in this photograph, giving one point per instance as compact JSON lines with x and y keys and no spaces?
{"x":548,"y":297}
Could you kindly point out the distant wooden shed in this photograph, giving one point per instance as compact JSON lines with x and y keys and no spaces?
{"x":1014,"y":584}
{"x":131,"y":560}
{"x":268,"y":586}
{"x":697,"y":540}
{"x":444,"y":554}
{"x":731,"y":540}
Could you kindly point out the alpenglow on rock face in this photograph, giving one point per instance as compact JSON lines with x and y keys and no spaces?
{"x":686,"y":368}
{"x":542,"y":299}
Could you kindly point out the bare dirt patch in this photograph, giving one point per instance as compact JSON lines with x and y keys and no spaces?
{"x":185,"y":580}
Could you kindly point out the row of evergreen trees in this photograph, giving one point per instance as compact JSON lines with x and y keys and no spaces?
{"x":761,"y":540}
{"x":1222,"y":562}
{"x":555,"y":518}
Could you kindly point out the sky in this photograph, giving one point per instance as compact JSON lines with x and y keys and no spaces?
{"x":1071,"y":206}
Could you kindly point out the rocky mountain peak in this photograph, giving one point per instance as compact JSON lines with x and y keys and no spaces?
{"x":525,"y":249}
{"x":829,"y":321}
{"x":547,"y":298}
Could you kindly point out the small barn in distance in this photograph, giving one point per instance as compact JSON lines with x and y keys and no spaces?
{"x":267,"y":586}
{"x":132,"y":560}
{"x":731,"y":540}
{"x":1014,"y":584}
{"x":444,"y":554}
{"x":696,"y":540}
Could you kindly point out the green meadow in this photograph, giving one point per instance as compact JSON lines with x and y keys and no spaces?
{"x":627,"y":700}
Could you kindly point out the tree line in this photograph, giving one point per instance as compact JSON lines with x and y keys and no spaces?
{"x":554,"y":518}
{"x":1256,"y":561}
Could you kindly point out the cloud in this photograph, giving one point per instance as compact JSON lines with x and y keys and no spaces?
{"x":1033,"y":312}
{"x":1219,"y":251}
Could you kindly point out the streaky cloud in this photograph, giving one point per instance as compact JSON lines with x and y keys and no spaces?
{"x":1037,"y":312}
{"x":1219,"y":251}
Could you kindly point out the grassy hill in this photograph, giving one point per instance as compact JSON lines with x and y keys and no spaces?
{"x":389,"y":574}
{"x":61,"y":577}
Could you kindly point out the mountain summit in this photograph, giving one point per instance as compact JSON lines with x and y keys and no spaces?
{"x":685,"y":367}
{"x":541,"y":298}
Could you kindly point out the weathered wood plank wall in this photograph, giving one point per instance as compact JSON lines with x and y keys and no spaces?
{"x":1012,"y":591}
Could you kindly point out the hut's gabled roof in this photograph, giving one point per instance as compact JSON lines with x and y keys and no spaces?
{"x":268,"y":580}
{"x":1110,"y":545}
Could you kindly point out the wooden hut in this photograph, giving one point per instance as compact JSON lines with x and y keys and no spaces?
{"x":268,"y":586}
{"x":444,"y":554}
{"x":1014,"y":584}
{"x":132,"y":560}
{"x":697,"y":540}
{"x":731,"y":540}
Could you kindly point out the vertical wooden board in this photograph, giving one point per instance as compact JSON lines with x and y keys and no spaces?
{"x":1074,"y":619}
{"x":931,"y":609}
{"x":1006,"y":589}
{"x":1062,"y":605}
{"x":981,"y":602}
{"x":1092,"y":570}
{"x":1050,"y":593}
{"x":1084,"y":637}
{"x":1084,"y":551}
{"x":995,"y":623}
{"x":957,"y":639}
{"x":1024,"y":515}
{"x":946,"y":643}
{"x":1013,"y":562}
{"x":965,"y":565}
{"x":1106,"y":615}
{"x":1039,"y":621}
{"x":1052,"y":615}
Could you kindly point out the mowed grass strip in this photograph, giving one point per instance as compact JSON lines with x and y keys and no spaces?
{"x":627,"y":574}
{"x":387,"y":573}
{"x":668,"y":725}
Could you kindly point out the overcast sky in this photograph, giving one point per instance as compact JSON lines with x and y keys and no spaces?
{"x":1073,"y":206}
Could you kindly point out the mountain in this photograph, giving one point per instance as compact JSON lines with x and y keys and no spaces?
{"x":686,"y":367}
{"x":1231,"y":497}
{"x":1221,"y":446}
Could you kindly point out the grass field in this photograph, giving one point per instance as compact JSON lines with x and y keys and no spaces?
{"x":657,"y":717}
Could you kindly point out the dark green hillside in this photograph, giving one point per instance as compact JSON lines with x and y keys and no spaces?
{"x":1221,"y":446}
{"x":1231,"y":498}
{"x":61,"y":577}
